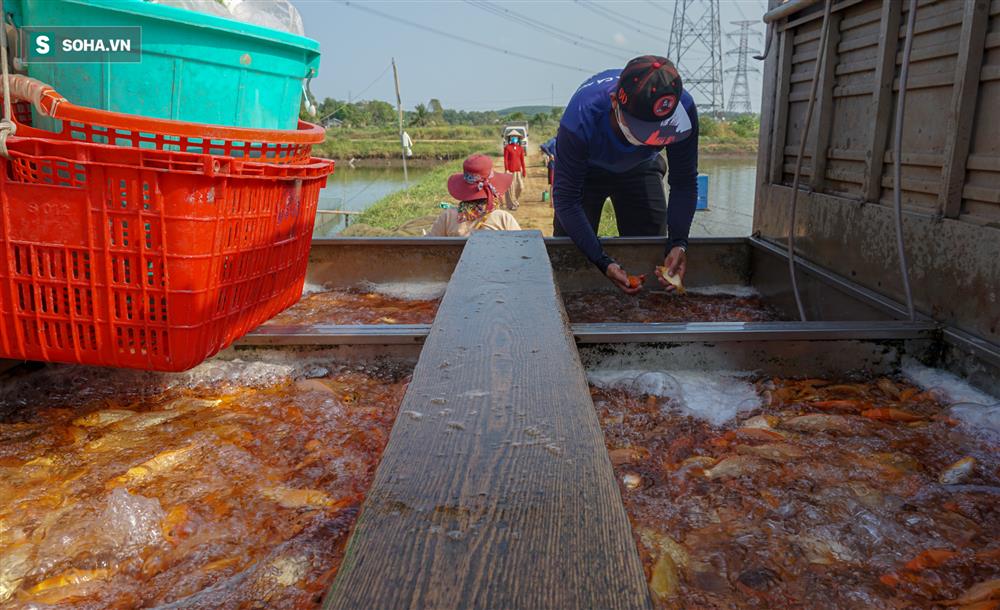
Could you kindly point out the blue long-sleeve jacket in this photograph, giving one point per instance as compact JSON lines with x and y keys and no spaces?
{"x":586,"y":138}
{"x":549,"y":147}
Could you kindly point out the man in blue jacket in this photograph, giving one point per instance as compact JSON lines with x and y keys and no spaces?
{"x":609,"y":144}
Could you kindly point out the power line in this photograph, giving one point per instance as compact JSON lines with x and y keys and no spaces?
{"x":659,"y":6}
{"x":370,"y":85}
{"x":739,"y":97}
{"x":478,"y":43}
{"x":609,"y":14}
{"x":696,"y":29}
{"x":563,"y":35}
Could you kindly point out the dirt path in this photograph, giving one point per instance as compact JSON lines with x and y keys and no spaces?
{"x":534,"y":213}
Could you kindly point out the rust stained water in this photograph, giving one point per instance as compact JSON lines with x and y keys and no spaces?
{"x":832,"y":494}
{"x":210,"y":495}
{"x":357,"y":307}
{"x":646,"y":307}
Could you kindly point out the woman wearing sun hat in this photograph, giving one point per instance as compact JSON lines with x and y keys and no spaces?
{"x":479,"y":190}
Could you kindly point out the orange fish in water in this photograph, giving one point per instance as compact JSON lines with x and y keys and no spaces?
{"x":931,"y":558}
{"x":842,"y":405}
{"x":887,"y":414}
{"x":889,"y":580}
{"x":172,"y":527}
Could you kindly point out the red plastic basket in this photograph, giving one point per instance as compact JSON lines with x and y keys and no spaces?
{"x":82,"y":124}
{"x":144,"y":258}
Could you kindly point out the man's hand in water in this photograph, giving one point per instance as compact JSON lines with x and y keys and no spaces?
{"x":619,"y":278}
{"x":675,"y":264}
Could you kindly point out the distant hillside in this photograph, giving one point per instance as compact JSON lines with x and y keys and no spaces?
{"x":527,"y":110}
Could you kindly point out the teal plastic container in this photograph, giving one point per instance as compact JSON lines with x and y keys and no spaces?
{"x":195,"y":67}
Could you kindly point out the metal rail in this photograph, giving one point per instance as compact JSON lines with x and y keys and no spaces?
{"x":335,"y":334}
{"x":683,"y":332}
{"x":751,"y":331}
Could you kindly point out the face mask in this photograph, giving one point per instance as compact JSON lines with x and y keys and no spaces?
{"x":634,"y":141}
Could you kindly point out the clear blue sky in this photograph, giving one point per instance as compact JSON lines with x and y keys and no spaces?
{"x":357,"y":47}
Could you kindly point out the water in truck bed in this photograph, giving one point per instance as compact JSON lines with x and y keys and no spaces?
{"x":803,"y":493}
{"x":234,"y":485}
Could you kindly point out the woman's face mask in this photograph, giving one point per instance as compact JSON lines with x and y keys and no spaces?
{"x":513,"y":140}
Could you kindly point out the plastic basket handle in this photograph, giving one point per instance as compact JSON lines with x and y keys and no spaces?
{"x":43,"y":97}
{"x":48,"y":102}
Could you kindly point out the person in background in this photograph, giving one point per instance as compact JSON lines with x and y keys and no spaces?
{"x":478,"y":189}
{"x":549,"y":150}
{"x":513,"y":163}
{"x":609,"y":144}
{"x":407,"y":144}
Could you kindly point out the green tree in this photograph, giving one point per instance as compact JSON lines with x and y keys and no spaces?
{"x":708,"y":127}
{"x":436,"y":111}
{"x":541,"y":119}
{"x":747,"y":125}
{"x":421,"y":116}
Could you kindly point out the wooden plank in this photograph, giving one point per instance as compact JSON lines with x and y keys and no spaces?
{"x":495,"y":490}
{"x":853,"y":90}
{"x":963,"y":106}
{"x":816,"y":12}
{"x":824,"y":103}
{"x":846,"y":154}
{"x":855,"y":67}
{"x":990,"y":73}
{"x":859,"y":20}
{"x":780,"y":132}
{"x":927,"y":81}
{"x":857,"y":43}
{"x":915,"y":185}
{"x":986,"y":163}
{"x":916,"y":159}
{"x":805,"y":56}
{"x":885,"y":68}
{"x":980,"y":193}
{"x":809,"y":36}
{"x":930,"y":52}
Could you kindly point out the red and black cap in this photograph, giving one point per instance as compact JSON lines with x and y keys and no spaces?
{"x":649,"y":91}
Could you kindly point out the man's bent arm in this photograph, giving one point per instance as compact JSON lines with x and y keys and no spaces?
{"x":567,"y":198}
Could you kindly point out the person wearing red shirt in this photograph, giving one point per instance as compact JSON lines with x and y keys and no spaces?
{"x":513,"y":163}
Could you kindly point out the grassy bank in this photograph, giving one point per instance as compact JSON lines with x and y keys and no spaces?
{"x":443,"y":142}
{"x":407,"y":212}
{"x":420,"y":201}
{"x":446,"y":143}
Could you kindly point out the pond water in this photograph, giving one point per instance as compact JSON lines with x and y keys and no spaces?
{"x":355,"y":189}
{"x":731,"y":184}
{"x":731,"y":187}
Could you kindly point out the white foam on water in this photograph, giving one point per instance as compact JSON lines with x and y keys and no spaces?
{"x":947,"y":386}
{"x":978,"y":412}
{"x":310,"y":288}
{"x":716,"y":397}
{"x":736,"y":290}
{"x":131,"y":521}
{"x":409,"y":291}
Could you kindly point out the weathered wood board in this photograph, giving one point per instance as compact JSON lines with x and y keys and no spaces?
{"x":495,"y":490}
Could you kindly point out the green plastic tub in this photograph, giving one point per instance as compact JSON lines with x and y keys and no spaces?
{"x":195,"y":67}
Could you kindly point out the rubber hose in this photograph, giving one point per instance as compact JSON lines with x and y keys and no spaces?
{"x":824,"y":33}
{"x":897,"y":147}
